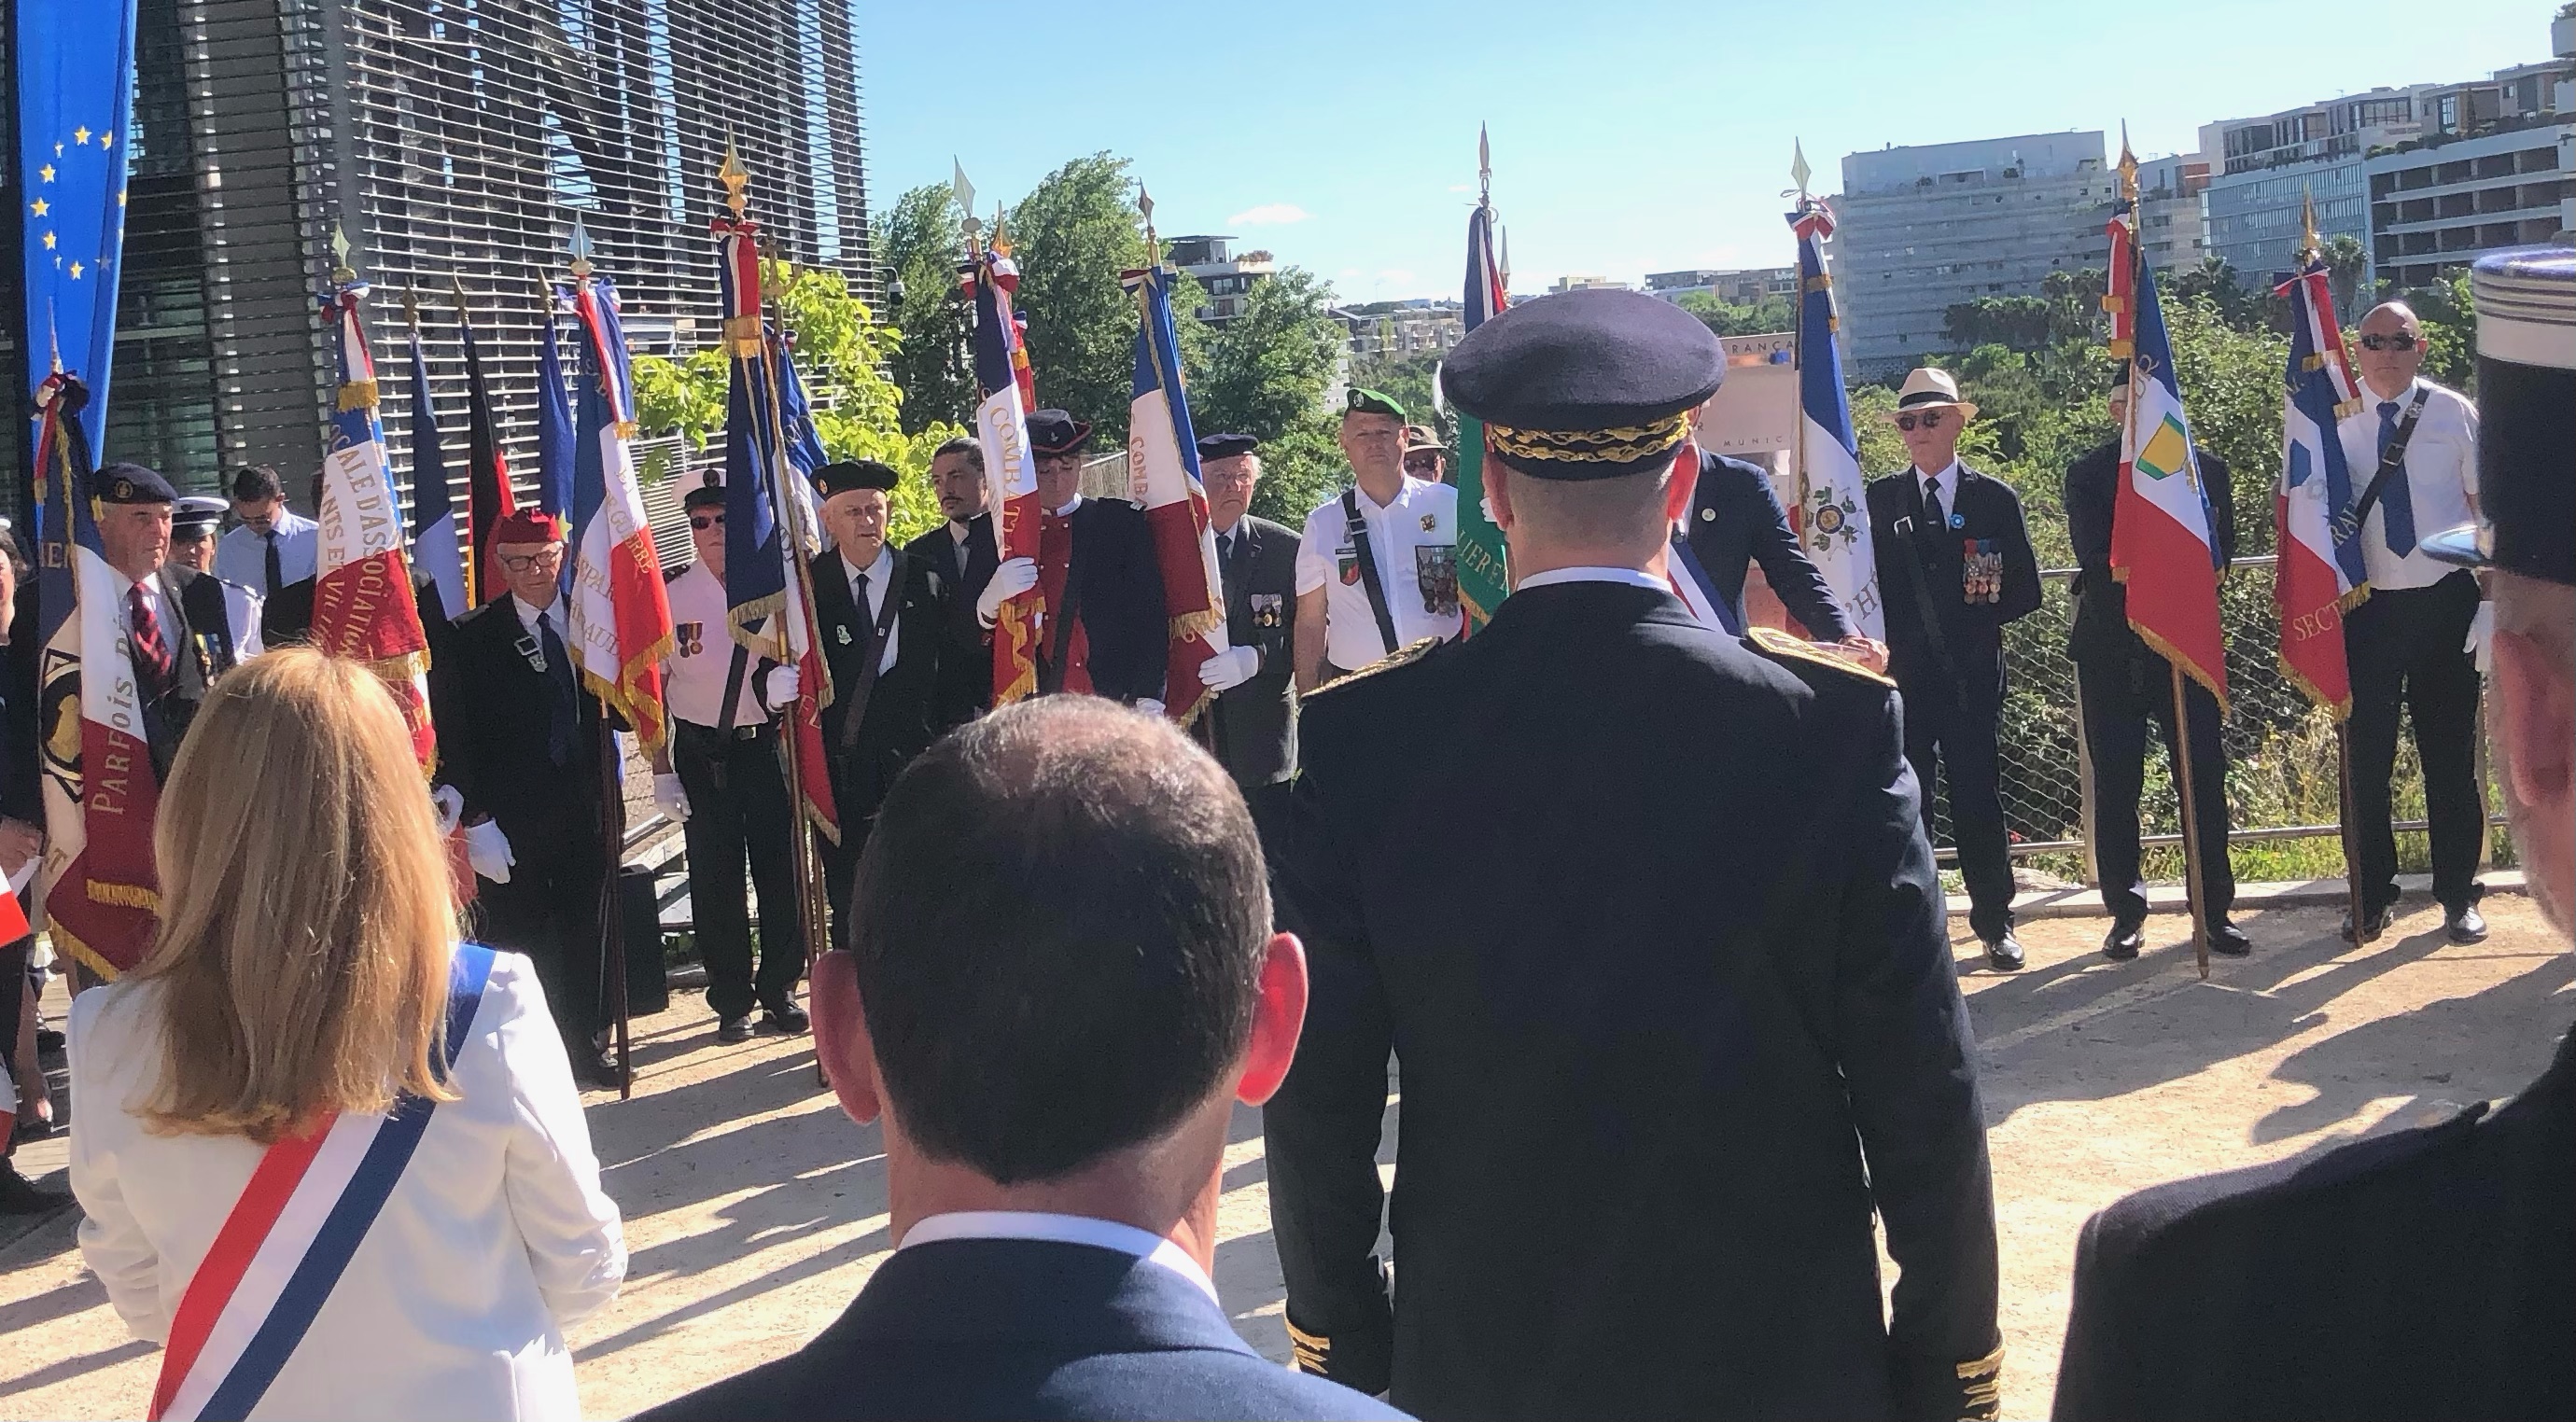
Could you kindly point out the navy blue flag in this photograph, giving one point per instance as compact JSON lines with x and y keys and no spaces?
{"x":433,"y":506}
{"x":75,"y":107}
{"x":554,"y":422}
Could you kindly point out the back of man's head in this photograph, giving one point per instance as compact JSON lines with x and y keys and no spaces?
{"x":1058,"y":931}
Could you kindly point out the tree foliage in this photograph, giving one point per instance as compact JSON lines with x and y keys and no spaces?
{"x":920,"y":245}
{"x":1769,"y":316}
{"x":1073,"y":237}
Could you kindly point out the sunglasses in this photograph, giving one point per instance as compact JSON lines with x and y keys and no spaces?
{"x":1929,"y":419}
{"x":2399,"y":342}
{"x":704,"y":523}
{"x":1422,"y":459}
{"x":522,"y":562}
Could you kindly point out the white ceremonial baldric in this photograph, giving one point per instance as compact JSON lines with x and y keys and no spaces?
{"x":2441,"y":478}
{"x":702,"y":654}
{"x":872,"y":606}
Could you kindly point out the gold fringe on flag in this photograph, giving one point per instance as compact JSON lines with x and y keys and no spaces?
{"x":358,"y":395}
{"x":133,"y":896}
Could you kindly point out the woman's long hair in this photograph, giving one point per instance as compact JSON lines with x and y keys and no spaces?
{"x":307,"y":918}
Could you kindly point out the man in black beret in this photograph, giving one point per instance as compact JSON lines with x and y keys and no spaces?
{"x":1253,"y":727}
{"x":174,"y":617}
{"x":1108,"y":633}
{"x":886,"y":620}
{"x":2428,"y":1272}
{"x":1671,"y":969}
{"x":2124,"y":684}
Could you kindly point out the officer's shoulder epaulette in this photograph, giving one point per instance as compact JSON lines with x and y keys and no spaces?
{"x":1392,"y":661}
{"x":1780,"y":647}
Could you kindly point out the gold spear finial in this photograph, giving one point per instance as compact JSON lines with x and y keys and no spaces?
{"x":2128,"y":165}
{"x":580,"y":246}
{"x":2310,"y":245}
{"x":1153,"y":247}
{"x":1001,"y":238}
{"x":735,"y":178}
{"x":341,"y":271}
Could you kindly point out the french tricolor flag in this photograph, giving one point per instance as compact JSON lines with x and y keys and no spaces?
{"x":2321,"y":574}
{"x":1163,"y":475}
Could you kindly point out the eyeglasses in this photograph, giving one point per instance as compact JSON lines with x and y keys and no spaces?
{"x":1422,"y":459}
{"x":522,"y":562}
{"x":705,"y":523}
{"x":2399,"y":342}
{"x":1929,"y":419}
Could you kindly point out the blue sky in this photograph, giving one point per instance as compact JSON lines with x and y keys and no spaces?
{"x":1628,"y":135}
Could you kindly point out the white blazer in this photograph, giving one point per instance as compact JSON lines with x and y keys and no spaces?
{"x":496,"y":1238}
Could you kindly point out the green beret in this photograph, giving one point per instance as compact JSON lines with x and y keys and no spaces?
{"x":1371,"y":402}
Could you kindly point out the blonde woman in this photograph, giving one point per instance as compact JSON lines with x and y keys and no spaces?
{"x":331,"y":1158}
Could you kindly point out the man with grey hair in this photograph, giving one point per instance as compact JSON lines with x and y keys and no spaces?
{"x":961,"y":552}
{"x":1253,"y":726}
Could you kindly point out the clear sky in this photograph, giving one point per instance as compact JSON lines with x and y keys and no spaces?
{"x":1628,"y":135}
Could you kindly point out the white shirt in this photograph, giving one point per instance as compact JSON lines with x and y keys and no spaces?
{"x":500,"y":1206}
{"x":553,"y":613}
{"x":1418,"y":531}
{"x":1061,"y":1229}
{"x":702,"y":647}
{"x":1633,"y":577}
{"x":241,"y":556}
{"x":880,"y":573}
{"x":2441,"y":478}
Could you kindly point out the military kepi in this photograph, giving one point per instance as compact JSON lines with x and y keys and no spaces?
{"x":1585,"y":384}
{"x":2526,"y":304}
{"x":197,"y":514}
{"x":1057,"y":432}
{"x":132,"y":484}
{"x":708,"y":495}
{"x":853,"y":474}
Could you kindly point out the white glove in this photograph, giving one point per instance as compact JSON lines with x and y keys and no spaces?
{"x":2481,"y":632}
{"x":1009,"y":581}
{"x":488,"y":850}
{"x":1230,"y":668}
{"x":451,"y":808}
{"x":781,"y":687}
{"x":668,"y":794}
{"x":1150,"y":706}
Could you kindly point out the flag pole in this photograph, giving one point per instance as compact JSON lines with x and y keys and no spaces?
{"x":1799,"y":170}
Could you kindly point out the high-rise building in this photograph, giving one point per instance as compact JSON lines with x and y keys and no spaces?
{"x":2494,"y":167}
{"x":454,"y":145}
{"x":2264,"y":170}
{"x":1225,"y":276}
{"x":2173,"y":223}
{"x":1747,"y":287}
{"x":1920,"y":230}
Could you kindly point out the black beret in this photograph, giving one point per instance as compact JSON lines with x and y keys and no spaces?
{"x":197,"y":513}
{"x":2526,"y":305}
{"x":1226,"y":446}
{"x":131,"y":484}
{"x":1585,"y":384}
{"x":852,"y":474}
{"x":1056,"y":432}
{"x":708,"y":495}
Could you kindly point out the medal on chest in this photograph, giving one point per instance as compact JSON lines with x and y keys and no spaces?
{"x":1981,"y":569}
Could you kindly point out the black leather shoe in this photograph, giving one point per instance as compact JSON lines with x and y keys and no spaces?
{"x":2466,"y":925}
{"x":2003,"y":954}
{"x":32,"y":1128}
{"x":730,"y":1030}
{"x":21,"y":1196}
{"x":2228,"y":941}
{"x":2375,"y":925}
{"x":784,"y":1019}
{"x":2126,"y":938}
{"x":595,"y":1071}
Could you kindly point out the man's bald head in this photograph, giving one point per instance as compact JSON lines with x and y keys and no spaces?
{"x":2392,"y":348}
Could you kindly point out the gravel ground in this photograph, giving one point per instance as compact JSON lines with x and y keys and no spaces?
{"x":754,"y":1210}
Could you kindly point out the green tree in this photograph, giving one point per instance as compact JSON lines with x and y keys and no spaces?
{"x":2347,"y":262}
{"x":1074,"y":236}
{"x":918,"y":240}
{"x":1408,"y":380}
{"x":1769,"y":316}
{"x":1268,"y":368}
{"x":2450,"y":321}
{"x":2016,"y":323}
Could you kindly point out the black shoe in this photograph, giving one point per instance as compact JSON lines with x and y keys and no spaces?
{"x":2465,"y":925}
{"x":2375,"y":925}
{"x":2228,"y":941}
{"x":730,"y":1030}
{"x":2126,"y":937}
{"x":49,"y":1042}
{"x":2003,"y":954}
{"x":20,"y":1196}
{"x":784,"y":1019}
{"x":595,"y":1071}
{"x":33,"y":1128}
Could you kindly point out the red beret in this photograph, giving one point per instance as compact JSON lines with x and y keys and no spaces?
{"x":528,"y":526}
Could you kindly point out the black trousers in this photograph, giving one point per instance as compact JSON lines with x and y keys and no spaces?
{"x":738,"y":804}
{"x":1958,"y":737}
{"x":550,"y":911}
{"x":2120,"y":695}
{"x":2407,"y":647}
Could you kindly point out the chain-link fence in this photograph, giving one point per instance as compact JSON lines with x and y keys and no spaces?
{"x":2282,"y":795}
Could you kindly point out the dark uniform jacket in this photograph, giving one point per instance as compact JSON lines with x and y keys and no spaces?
{"x":1116,"y":587}
{"x":493,"y":710}
{"x":909,"y":706}
{"x":1971,"y":634}
{"x":2426,"y":1273}
{"x":968,"y":1328}
{"x":1255,"y":724}
{"x":2100,"y":631}
{"x":202,"y":646}
{"x":965,"y":579}
{"x":1735,"y":519}
{"x":1674,"y":1013}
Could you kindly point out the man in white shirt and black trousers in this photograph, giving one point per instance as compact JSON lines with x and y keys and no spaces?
{"x":720,"y":777}
{"x":1378,"y":568}
{"x":2413,"y":448}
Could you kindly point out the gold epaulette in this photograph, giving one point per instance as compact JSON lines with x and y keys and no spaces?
{"x":1405,"y":656}
{"x":1780,"y":646}
{"x":1982,"y":1379}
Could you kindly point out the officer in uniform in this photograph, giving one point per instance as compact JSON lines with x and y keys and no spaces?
{"x":1109,"y":633}
{"x":1377,"y":565}
{"x":886,"y":620}
{"x":1736,"y":521}
{"x":1655,"y":992}
{"x":1253,"y":726}
{"x":193,"y":522}
{"x":720,"y":777}
{"x":520,"y":742}
{"x":963,"y":554}
{"x":2427,"y":1272}
{"x":175,"y":618}
{"x":1954,"y":565}
{"x":2124,"y":684}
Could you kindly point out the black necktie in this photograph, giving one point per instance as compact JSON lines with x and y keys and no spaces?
{"x":276,"y":571}
{"x":562,"y":711}
{"x":1933,"y":513}
{"x":867,"y":619}
{"x":1224,"y":554}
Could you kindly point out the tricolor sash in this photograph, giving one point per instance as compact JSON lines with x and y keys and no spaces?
{"x":290,"y":1236}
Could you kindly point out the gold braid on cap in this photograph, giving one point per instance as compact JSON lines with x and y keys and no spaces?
{"x":1624,"y":444}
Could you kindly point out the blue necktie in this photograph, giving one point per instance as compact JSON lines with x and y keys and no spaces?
{"x":2396,"y":501}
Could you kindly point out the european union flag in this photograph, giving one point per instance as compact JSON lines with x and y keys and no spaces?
{"x":75,"y":109}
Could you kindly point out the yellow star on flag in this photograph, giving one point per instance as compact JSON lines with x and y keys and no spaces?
{"x":39,"y":207}
{"x":49,"y":241}
{"x":46,"y":172}
{"x":106,"y":140}
{"x":81,"y":137}
{"x":76,"y":271}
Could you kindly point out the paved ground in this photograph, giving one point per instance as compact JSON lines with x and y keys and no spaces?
{"x":755,"y":1211}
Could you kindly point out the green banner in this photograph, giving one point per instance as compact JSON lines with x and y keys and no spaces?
{"x":1481,"y":581}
